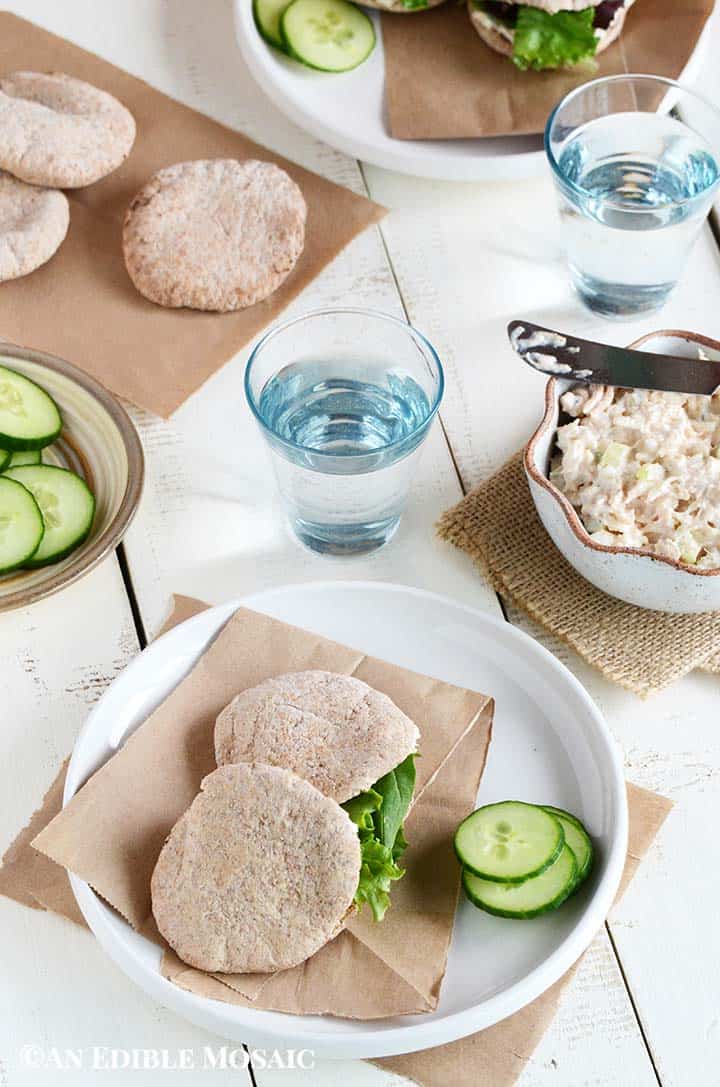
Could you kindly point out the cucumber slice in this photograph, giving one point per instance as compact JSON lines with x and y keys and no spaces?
{"x":508,"y":842}
{"x":5,"y":457}
{"x":21,"y":525}
{"x":330,"y":35}
{"x":565,"y":814}
{"x":29,"y":417}
{"x":535,"y":896}
{"x":267,"y":19}
{"x":27,"y":456}
{"x":578,"y":839}
{"x":67,"y":506}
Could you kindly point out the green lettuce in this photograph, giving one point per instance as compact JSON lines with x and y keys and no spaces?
{"x":379,"y":814}
{"x":543,"y":40}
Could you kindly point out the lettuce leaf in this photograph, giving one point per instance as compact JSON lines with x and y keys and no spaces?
{"x":377,"y":871}
{"x":543,"y":40}
{"x":379,"y":814}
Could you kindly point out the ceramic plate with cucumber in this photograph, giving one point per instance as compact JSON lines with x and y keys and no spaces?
{"x":45,"y":511}
{"x":522,"y":860}
{"x":327,"y":35}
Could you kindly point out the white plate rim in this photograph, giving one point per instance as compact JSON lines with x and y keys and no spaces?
{"x":431,"y":159}
{"x":415,"y":1036}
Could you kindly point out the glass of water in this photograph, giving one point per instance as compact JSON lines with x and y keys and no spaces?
{"x":635,"y":160}
{"x":345,"y":398}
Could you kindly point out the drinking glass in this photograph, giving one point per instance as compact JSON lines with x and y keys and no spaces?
{"x":345,"y":399}
{"x":635,"y":164}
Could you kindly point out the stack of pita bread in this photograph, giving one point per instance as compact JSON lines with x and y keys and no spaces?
{"x":56,"y":132}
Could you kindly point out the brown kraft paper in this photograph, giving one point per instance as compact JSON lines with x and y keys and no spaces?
{"x":82,"y":305}
{"x":443,"y":82}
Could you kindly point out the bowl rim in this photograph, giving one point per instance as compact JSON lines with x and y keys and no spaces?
{"x":110,"y":537}
{"x":571,"y":516}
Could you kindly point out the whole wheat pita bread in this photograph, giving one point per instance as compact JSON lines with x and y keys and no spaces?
{"x":59,"y":131}
{"x":215,"y":234}
{"x":333,"y":730}
{"x":33,"y":225}
{"x":257,"y":875}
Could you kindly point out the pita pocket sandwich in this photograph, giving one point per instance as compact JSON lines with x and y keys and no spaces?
{"x":301,"y":823}
{"x":541,"y":34}
{"x":349,"y":741}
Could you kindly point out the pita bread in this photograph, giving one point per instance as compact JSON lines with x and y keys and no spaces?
{"x":59,"y":131}
{"x":257,"y":875}
{"x":333,"y":730}
{"x":33,"y":225}
{"x":214,"y":234}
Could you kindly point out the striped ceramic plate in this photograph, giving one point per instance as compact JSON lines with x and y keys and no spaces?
{"x":100,"y":443}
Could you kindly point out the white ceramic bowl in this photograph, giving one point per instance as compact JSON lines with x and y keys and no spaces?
{"x":100,"y":443}
{"x":630,"y":574}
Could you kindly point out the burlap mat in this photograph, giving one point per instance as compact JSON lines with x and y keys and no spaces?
{"x":498,"y":527}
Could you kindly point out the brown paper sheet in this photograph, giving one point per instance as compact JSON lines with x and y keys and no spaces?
{"x":443,"y":82}
{"x":82,"y":305}
{"x":501,"y":1051}
{"x":31,"y":878}
{"x":112,"y":831}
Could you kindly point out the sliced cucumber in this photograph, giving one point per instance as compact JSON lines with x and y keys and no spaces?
{"x":21,"y":525}
{"x":67,"y":506}
{"x":5,"y":458}
{"x":27,"y":456}
{"x":331,"y":35}
{"x":508,"y":842}
{"x":578,"y":839}
{"x":529,"y":899}
{"x":267,"y":19}
{"x":565,"y":814}
{"x":29,"y":417}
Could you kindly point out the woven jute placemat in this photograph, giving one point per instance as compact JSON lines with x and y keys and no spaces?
{"x":498,"y":527}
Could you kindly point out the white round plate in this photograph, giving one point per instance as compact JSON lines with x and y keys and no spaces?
{"x":348,"y":112}
{"x":550,"y":745}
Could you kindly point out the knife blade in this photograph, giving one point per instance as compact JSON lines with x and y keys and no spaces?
{"x":559,"y":355}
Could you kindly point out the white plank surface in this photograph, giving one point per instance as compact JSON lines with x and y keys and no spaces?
{"x":467,"y":258}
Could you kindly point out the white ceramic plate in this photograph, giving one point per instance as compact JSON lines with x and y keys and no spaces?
{"x":549,"y":745}
{"x":348,"y":112}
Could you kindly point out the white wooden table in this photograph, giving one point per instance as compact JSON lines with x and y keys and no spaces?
{"x":459,"y":261}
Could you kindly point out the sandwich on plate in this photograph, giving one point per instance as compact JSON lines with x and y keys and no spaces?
{"x":300,"y":825}
{"x":542,"y":34}
{"x":349,"y":741}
